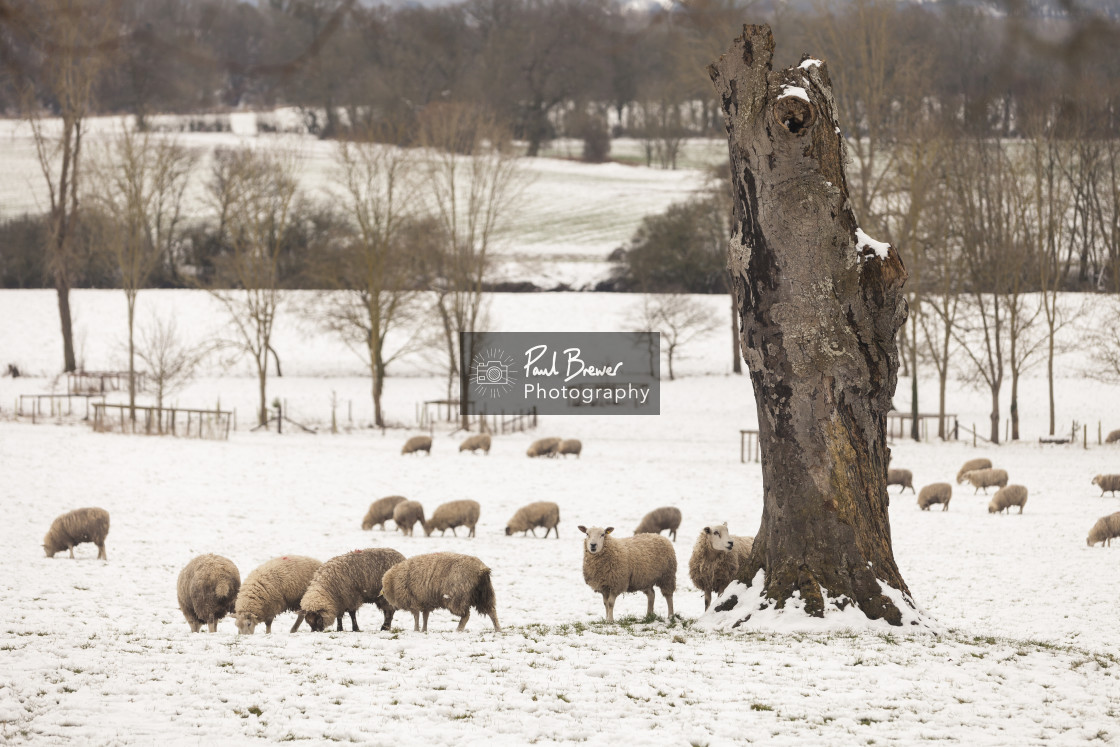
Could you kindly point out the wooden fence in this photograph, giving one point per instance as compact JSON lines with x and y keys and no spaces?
{"x":162,"y":421}
{"x":50,"y":406}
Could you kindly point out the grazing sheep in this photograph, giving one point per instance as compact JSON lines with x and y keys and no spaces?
{"x":381,"y":510}
{"x":616,"y":566}
{"x":406,"y":514}
{"x":544,"y":447}
{"x":417,"y":443}
{"x":660,"y":519}
{"x":1005,"y":498}
{"x":346,"y":582}
{"x":571,"y":446}
{"x":207,"y":588}
{"x":273,"y":587}
{"x":1107,"y":483}
{"x":74,"y":528}
{"x":474,"y":443}
{"x":972,"y":464}
{"x":1105,"y":530}
{"x":986,"y":478}
{"x":453,"y":514}
{"x":441,"y":580}
{"x":903,"y":477}
{"x":716,"y":558}
{"x":938,"y":492}
{"x":1112,"y":437}
{"x":540,"y":514}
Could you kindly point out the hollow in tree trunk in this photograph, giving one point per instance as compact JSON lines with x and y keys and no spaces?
{"x":819,"y":308}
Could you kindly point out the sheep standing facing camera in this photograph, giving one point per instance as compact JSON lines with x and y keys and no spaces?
{"x":986,"y":478}
{"x":1107,"y":484}
{"x":346,"y":582}
{"x":274,"y":587}
{"x":441,"y":580}
{"x":475,"y":443}
{"x":416,"y":444}
{"x":381,"y":510}
{"x":1105,"y":530}
{"x":74,"y":528}
{"x":716,"y":559}
{"x":453,"y":514}
{"x":938,"y":492}
{"x":1005,"y":498}
{"x":207,"y":590}
{"x":570,"y":446}
{"x":660,"y":519}
{"x":540,"y":514}
{"x":613,"y":567}
{"x":903,"y":477}
{"x":972,"y":464}
{"x":406,"y":514}
{"x":543,"y":447}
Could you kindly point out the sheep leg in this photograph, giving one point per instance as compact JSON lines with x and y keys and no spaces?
{"x":674,"y":533}
{"x":387,"y":623}
{"x":196,"y":625}
{"x":649,"y":602}
{"x":71,"y":551}
{"x":494,"y":616}
{"x":338,"y":620}
{"x":707,"y":600}
{"x":608,"y":603}
{"x":669,"y":601}
{"x":416,"y":620}
{"x":463,"y":621}
{"x":212,"y":625}
{"x":472,"y":531}
{"x":101,"y":554}
{"x":452,"y":532}
{"x":531,"y":529}
{"x":354,"y":621}
{"x":267,"y":626}
{"x":425,"y":628}
{"x":299,"y":621}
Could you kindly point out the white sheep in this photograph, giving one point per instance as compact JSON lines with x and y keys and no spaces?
{"x":570,"y":446}
{"x":453,"y":514}
{"x":381,"y":510}
{"x":417,"y":443}
{"x":937,"y":492}
{"x":540,"y":514}
{"x":660,"y":519}
{"x":207,"y":590}
{"x":544,"y":447}
{"x":1112,"y":437}
{"x":612,"y":567}
{"x":1107,"y":483}
{"x":972,"y":464}
{"x":406,"y":514}
{"x":346,"y":582}
{"x":74,"y":528}
{"x":1105,"y":530}
{"x":476,"y":442}
{"x":986,"y":478}
{"x":716,"y":559}
{"x":903,"y":477}
{"x":441,"y":580}
{"x":1006,"y":497}
{"x":274,"y":587}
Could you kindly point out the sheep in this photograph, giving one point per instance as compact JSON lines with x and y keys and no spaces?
{"x":417,"y":443}
{"x":986,"y":478}
{"x":903,"y":477}
{"x":540,"y":514}
{"x":1006,"y":497}
{"x":716,"y":559}
{"x":1112,"y":437}
{"x":74,"y":528}
{"x":1107,"y":483}
{"x":273,"y":587}
{"x":208,"y":587}
{"x":1105,"y":530}
{"x":346,"y":582}
{"x":406,"y":514}
{"x":972,"y":464}
{"x":441,"y":580}
{"x":938,"y":492}
{"x":381,"y":510}
{"x":570,"y":446}
{"x":616,"y":566}
{"x":544,"y":447}
{"x":660,"y":519}
{"x":474,"y":443}
{"x":453,"y":514}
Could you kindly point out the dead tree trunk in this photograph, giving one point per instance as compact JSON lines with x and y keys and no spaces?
{"x":819,"y":308}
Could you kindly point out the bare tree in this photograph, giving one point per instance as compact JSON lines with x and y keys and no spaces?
{"x":171,"y":364}
{"x":678,"y":317}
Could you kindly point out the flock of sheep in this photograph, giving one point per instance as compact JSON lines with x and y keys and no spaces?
{"x":542,"y":447}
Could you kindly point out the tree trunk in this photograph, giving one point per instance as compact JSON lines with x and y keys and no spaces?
{"x":994,"y":417}
{"x":130,"y":296}
{"x":820,"y":310}
{"x":62,"y":285}
{"x":1014,"y":404}
{"x":736,"y":350}
{"x":915,"y":425}
{"x":1050,"y":376}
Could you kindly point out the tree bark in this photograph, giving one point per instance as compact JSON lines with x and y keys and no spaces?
{"x":819,"y":309}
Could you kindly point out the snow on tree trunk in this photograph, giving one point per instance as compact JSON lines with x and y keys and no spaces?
{"x":819,"y":304}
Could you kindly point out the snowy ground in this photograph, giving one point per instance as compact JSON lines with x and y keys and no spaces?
{"x":98,"y":652}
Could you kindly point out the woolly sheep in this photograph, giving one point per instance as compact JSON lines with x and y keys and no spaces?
{"x":346,"y":582}
{"x":417,"y":443}
{"x":406,"y":514}
{"x":274,"y":587}
{"x":938,"y":492}
{"x":441,"y":580}
{"x":972,"y":464}
{"x":616,"y":566}
{"x":716,"y":559}
{"x":1005,"y":498}
{"x":381,"y":510}
{"x":660,"y":519}
{"x":540,"y":514}
{"x":74,"y":528}
{"x":570,"y":446}
{"x":453,"y":514}
{"x":474,"y":443}
{"x":544,"y":447}
{"x":1112,"y":437}
{"x":903,"y":477}
{"x":1105,"y":530}
{"x":986,"y":478}
{"x":1107,"y":483}
{"x":207,"y":588}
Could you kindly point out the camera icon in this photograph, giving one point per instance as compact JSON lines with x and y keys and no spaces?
{"x":492,"y":372}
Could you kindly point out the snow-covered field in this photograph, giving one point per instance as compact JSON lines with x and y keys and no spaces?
{"x":98,"y":653}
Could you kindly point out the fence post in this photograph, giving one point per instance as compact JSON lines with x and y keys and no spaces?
{"x":974,"y":435}
{"x":1098,"y":433}
{"x":1085,"y":436}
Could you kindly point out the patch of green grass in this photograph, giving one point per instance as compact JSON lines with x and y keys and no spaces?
{"x":462,"y":716}
{"x":761,"y":707}
{"x":255,"y":710}
{"x":563,"y":697}
{"x":867,"y":721}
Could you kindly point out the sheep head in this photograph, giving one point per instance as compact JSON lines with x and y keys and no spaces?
{"x":247,"y":622}
{"x":596,"y":538}
{"x":719,"y":537}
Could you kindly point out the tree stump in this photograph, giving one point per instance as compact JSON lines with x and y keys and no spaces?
{"x":819,"y":304}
